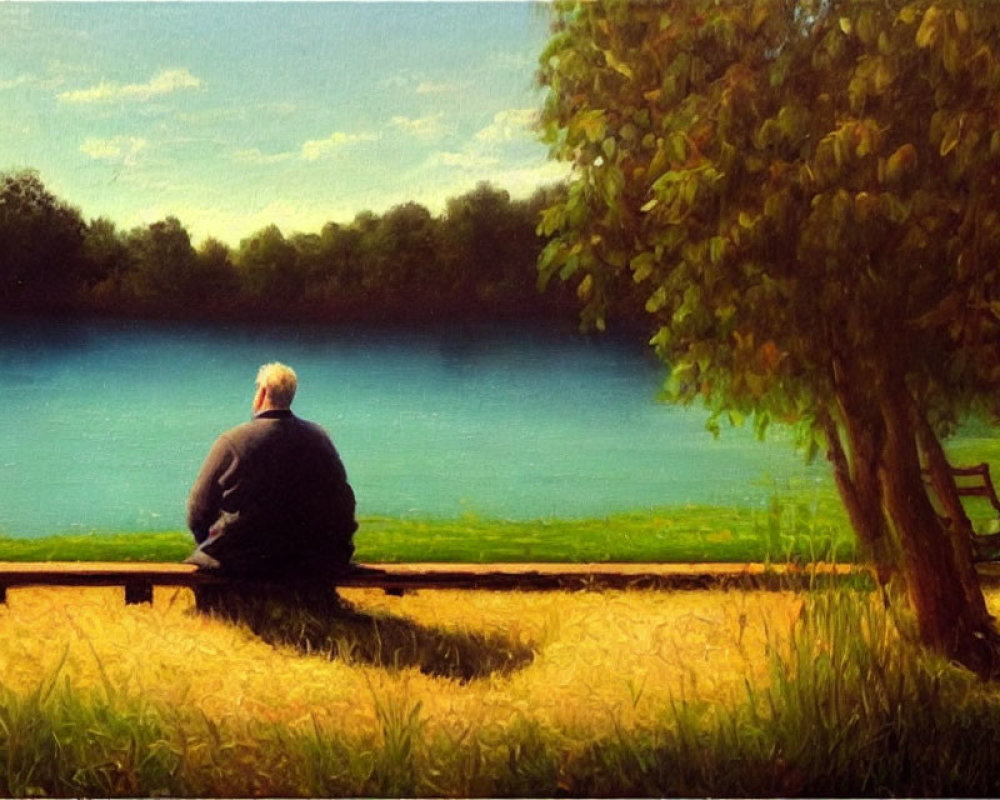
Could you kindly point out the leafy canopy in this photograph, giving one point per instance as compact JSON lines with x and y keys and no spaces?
{"x":803,"y":190}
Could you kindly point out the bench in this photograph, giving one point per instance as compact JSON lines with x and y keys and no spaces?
{"x":975,"y":481}
{"x":138,"y":579}
{"x":982,"y":485}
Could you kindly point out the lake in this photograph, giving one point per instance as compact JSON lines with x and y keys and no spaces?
{"x":106,"y":423}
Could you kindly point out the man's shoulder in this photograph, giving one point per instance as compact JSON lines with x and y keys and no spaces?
{"x":310,"y":425}
{"x":265,"y":425}
{"x":240,"y":431}
{"x":239,"y":435}
{"x":313,"y":432}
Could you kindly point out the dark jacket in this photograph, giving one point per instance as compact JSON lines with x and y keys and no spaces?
{"x":272,"y":499}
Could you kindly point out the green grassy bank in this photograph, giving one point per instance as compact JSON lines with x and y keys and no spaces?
{"x":798,"y":524}
{"x":784,"y":531}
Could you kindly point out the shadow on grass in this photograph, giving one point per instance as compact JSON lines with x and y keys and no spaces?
{"x":321,"y":622}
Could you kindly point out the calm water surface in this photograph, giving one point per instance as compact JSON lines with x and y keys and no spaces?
{"x":105,"y":424}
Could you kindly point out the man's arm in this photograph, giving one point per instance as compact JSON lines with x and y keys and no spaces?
{"x":344,"y":522}
{"x":205,"y":499}
{"x":345,"y":509}
{"x":342,"y":505}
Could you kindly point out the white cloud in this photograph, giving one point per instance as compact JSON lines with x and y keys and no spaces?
{"x":464,"y":160}
{"x":20,"y":80}
{"x":164,"y":82}
{"x":119,"y":149}
{"x":34,"y":81}
{"x":315,"y":149}
{"x":501,"y":142}
{"x":422,"y":127}
{"x":310,"y":150}
{"x":521,"y":63}
{"x":521,"y":182}
{"x":514,"y":123}
{"x":255,"y":156}
{"x":400,"y":80}
{"x":429,"y":87}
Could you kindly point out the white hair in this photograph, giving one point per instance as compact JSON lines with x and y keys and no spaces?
{"x":280,"y":381}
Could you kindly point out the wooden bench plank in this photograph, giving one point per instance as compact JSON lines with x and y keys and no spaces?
{"x":138,"y":579}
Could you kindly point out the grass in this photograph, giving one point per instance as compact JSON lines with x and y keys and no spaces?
{"x":438,"y":692}
{"x":797,"y":529}
{"x":711,"y":693}
{"x":799,"y":523}
{"x":701,"y":693}
{"x":852,"y":707}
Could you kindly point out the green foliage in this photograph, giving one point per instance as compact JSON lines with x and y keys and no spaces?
{"x":804,"y":192}
{"x":216,"y":274}
{"x":399,"y":250}
{"x":267,"y":266}
{"x":791,"y":183}
{"x":475,"y":261}
{"x":483,"y":227}
{"x":41,"y":246}
{"x":164,"y":264}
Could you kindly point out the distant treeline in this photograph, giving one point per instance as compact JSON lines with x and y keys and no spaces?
{"x":475,"y":261}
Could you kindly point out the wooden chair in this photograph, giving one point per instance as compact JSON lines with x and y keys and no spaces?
{"x":976,"y":481}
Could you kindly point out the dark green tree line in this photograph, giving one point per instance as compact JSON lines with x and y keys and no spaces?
{"x":42,"y":259}
{"x":474,"y":261}
{"x":805,"y":193}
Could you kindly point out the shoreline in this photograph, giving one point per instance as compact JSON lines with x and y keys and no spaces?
{"x":781,"y":533}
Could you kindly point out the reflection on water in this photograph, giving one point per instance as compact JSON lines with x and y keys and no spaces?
{"x":106,"y":423}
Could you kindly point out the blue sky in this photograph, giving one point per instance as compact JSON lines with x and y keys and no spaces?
{"x":231,"y":116}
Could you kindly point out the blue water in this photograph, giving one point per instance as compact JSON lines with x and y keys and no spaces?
{"x":105,"y":424}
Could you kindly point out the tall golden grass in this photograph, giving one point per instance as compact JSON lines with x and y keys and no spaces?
{"x":595,"y":661}
{"x":470,"y":693}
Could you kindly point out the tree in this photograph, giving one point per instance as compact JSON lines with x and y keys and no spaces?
{"x":266,"y":265}
{"x":41,"y":245}
{"x":340,"y":247}
{"x":107,"y":262}
{"x":806,"y":191}
{"x":488,"y":244}
{"x":164,"y":264}
{"x":399,"y":255}
{"x":216,"y":274}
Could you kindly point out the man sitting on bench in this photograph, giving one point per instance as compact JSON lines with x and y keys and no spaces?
{"x":272,"y":501}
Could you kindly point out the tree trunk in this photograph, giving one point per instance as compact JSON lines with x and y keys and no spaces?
{"x":948,"y":620}
{"x":943,"y":483}
{"x":857,"y":483}
{"x":856,"y":472}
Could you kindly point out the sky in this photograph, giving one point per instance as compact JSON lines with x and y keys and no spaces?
{"x":233,"y":116}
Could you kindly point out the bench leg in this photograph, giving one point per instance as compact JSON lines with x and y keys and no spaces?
{"x":138,"y":593}
{"x":3,"y":595}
